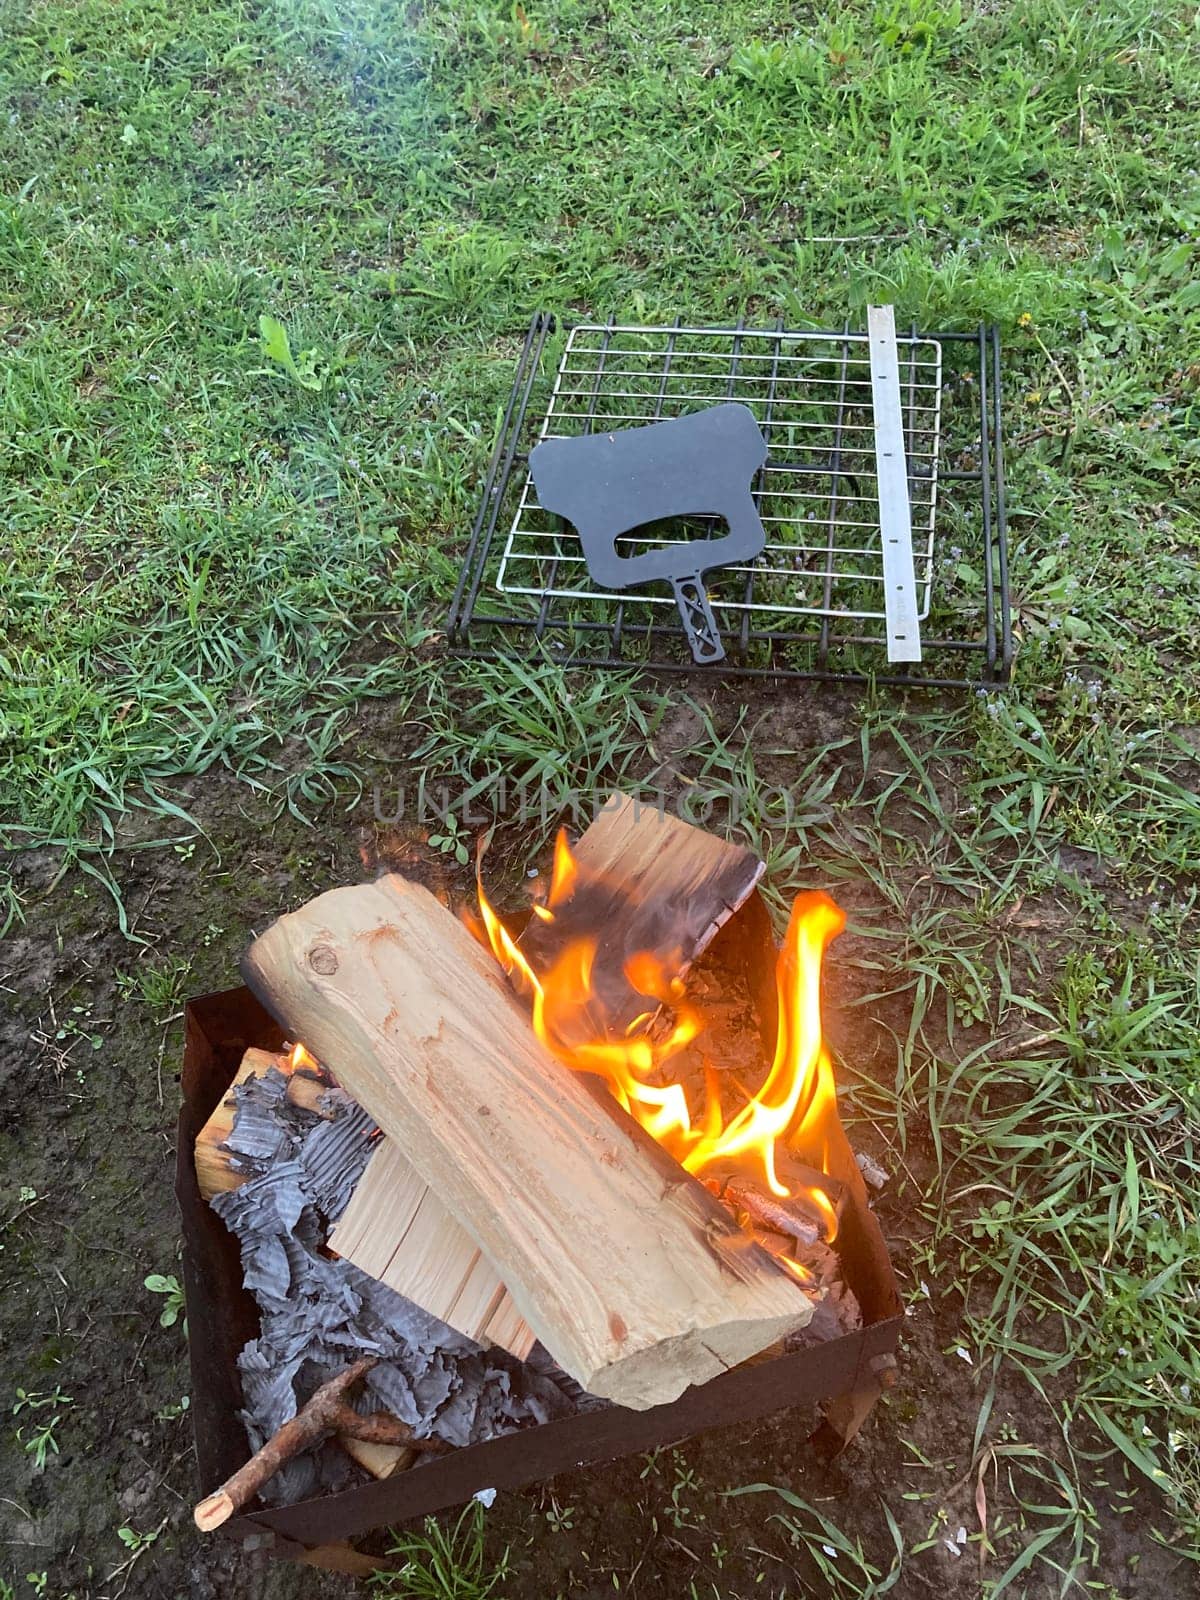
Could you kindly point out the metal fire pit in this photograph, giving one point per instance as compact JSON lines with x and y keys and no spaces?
{"x":847,"y":1373}
{"x":820,"y":601}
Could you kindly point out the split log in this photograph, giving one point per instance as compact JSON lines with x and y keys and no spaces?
{"x":643,"y":880}
{"x":329,"y":1411}
{"x":397,"y":1230}
{"x":632,"y":1275}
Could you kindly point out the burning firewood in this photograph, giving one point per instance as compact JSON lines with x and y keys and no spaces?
{"x":798,"y":1229}
{"x":635,"y":1279}
{"x":818,"y":1266}
{"x":809,"y":1212}
{"x":653,"y":885}
{"x":782,"y":1216}
{"x":638,"y":882}
{"x":328,"y":1412}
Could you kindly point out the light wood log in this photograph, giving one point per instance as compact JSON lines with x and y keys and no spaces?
{"x":633,"y":1276}
{"x":396,"y":1229}
{"x":380,"y":1460}
{"x":644,"y":880}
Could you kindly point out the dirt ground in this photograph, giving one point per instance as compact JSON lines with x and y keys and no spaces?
{"x":88,"y":1086}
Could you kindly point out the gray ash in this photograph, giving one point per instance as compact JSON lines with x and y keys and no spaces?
{"x":319,"y":1315}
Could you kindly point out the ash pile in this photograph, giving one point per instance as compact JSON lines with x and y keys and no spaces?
{"x":295,"y":1170}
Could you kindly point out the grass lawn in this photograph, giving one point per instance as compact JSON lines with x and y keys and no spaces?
{"x":224,"y":570}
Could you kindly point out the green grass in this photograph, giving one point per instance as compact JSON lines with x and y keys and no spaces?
{"x":222,"y":539}
{"x":437,"y":1563}
{"x":213,"y":553}
{"x":1064,"y":1209}
{"x":843,"y":1568}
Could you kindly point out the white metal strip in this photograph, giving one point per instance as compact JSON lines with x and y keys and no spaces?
{"x":891,"y":471}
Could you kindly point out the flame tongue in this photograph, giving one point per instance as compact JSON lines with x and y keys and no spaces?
{"x":798,"y":1098}
{"x":796,"y":1106}
{"x":301,"y":1060}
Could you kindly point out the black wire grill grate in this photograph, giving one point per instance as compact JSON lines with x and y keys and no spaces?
{"x":811,"y":605}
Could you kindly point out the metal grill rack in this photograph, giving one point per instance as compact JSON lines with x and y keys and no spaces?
{"x":812,"y":605}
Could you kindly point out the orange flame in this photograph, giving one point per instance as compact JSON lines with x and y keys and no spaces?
{"x":563,"y":875}
{"x":300,"y":1057}
{"x":795,"y":1268}
{"x":797,"y":1103}
{"x":798,"y":1098}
